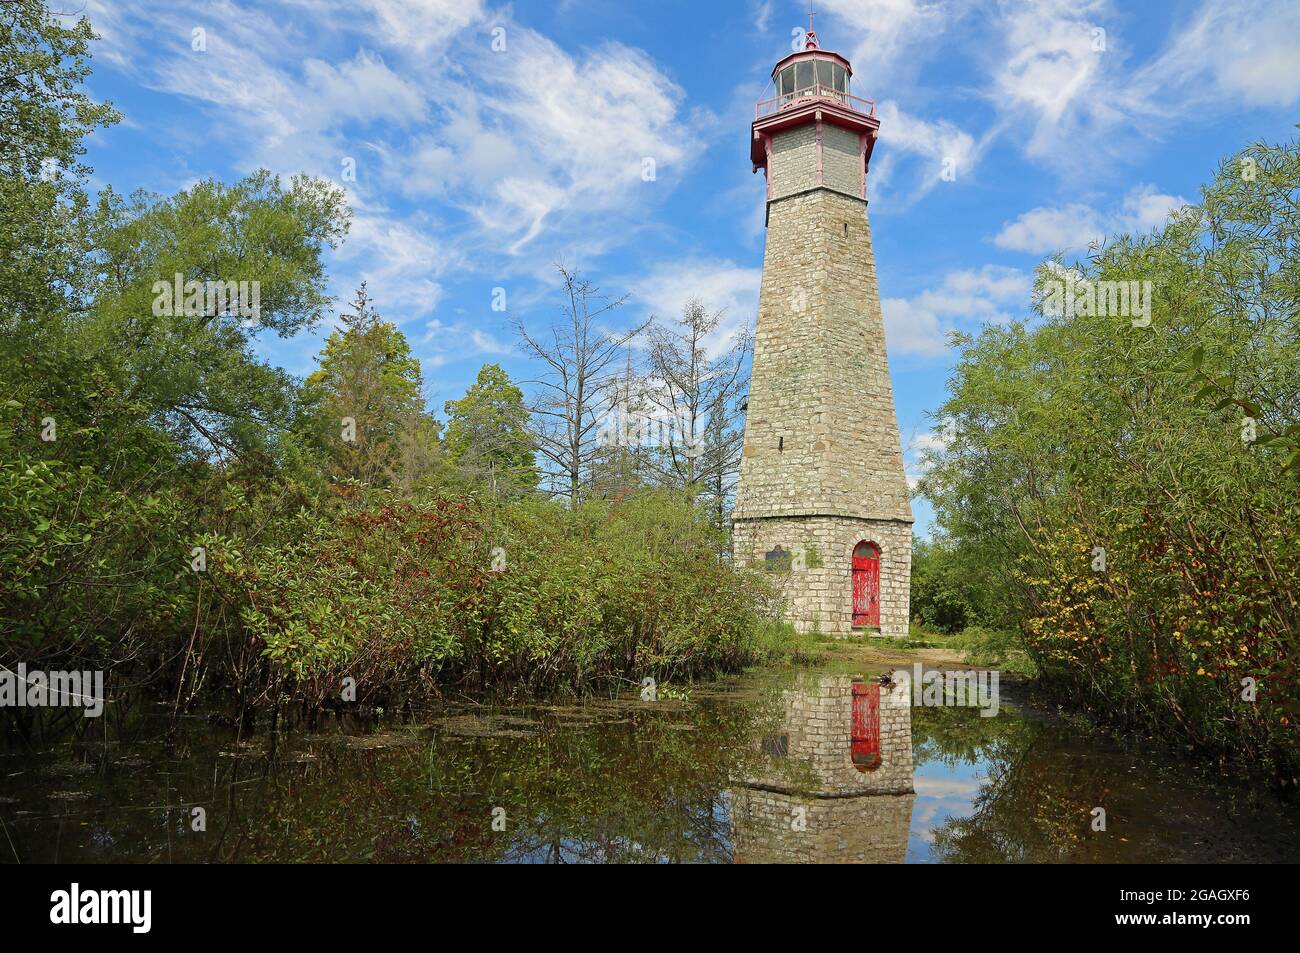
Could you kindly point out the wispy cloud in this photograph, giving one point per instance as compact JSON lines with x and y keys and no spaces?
{"x":513,"y":135}
{"x":963,"y":300}
{"x":1076,"y":225}
{"x":720,"y":285}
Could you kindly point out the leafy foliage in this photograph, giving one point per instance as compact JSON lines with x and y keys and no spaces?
{"x":1144,"y":550}
{"x":943,"y":595}
{"x":487,"y":435}
{"x":364,"y":406}
{"x":530,"y":593}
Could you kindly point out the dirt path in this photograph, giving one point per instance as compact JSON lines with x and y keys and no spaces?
{"x":879,"y":654}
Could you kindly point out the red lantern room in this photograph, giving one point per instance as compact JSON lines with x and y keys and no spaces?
{"x":812,"y":86}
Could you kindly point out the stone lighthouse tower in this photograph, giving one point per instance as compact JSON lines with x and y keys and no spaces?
{"x":822,"y":498}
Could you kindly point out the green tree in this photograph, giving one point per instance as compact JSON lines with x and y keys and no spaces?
{"x":1139,"y":532}
{"x":942,"y":587}
{"x":247,"y":258}
{"x":368,"y":401}
{"x":487,"y":434}
{"x":127,"y":430}
{"x":44,"y":116}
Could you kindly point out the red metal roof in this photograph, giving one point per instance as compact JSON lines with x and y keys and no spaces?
{"x":813,"y":54}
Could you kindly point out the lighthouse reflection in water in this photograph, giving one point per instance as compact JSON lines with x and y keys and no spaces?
{"x":834,"y":780}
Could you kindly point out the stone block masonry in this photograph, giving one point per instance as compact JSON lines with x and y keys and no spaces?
{"x":822,"y":466}
{"x":820,"y":597}
{"x":806,"y":802}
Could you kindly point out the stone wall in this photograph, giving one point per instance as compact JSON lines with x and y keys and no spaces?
{"x":820,"y":597}
{"x":841,"y":160}
{"x":806,"y":802}
{"x":795,"y":153}
{"x":793,"y":167}
{"x":822,"y":464}
{"x":861,"y":830}
{"x":821,"y":435}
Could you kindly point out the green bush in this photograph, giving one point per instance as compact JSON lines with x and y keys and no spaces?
{"x":1128,"y":489}
{"x":942,"y":588}
{"x":455,"y":590}
{"x":994,"y":648}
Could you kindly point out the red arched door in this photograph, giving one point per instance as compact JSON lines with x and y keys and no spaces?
{"x":865,"y":751}
{"x":866,"y":584}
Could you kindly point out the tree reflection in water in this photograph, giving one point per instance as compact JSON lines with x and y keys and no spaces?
{"x":711,"y":779}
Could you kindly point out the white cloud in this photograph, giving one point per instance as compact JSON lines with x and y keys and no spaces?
{"x":1051,"y":229}
{"x":886,"y":36}
{"x":1062,"y":67}
{"x":448,"y":342}
{"x":964,"y":300}
{"x":516,"y":144}
{"x":940,"y":145}
{"x":423,"y":27}
{"x":401,"y":262}
{"x":1247,"y":51}
{"x":581,"y":132}
{"x":1076,"y":225}
{"x":1052,"y":57}
{"x":916,"y":455}
{"x":719,"y":285}
{"x":912,"y":329}
{"x":362,"y":89}
{"x":1143,"y":209}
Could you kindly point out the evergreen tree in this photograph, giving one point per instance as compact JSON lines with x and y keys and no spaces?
{"x":368,"y":403}
{"x":487,"y":435}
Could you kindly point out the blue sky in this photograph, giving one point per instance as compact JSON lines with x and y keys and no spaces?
{"x":477,"y":168}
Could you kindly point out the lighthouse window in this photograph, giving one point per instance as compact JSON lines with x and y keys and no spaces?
{"x":787,"y":81}
{"x":803,"y":77}
{"x":830,"y":75}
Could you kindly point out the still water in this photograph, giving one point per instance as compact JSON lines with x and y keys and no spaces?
{"x":772,"y":766}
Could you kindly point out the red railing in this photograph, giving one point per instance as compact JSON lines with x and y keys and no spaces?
{"x":769,"y":107}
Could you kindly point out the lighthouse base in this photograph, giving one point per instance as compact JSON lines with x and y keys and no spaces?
{"x":810,"y":559}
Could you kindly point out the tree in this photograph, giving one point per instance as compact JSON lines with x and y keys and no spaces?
{"x":577,"y":387}
{"x":944,"y":592}
{"x":487,"y":434}
{"x":369,"y":404}
{"x":701,"y":396}
{"x":112,"y":415}
{"x":44,"y":117}
{"x":245,"y":259}
{"x":1140,"y":532}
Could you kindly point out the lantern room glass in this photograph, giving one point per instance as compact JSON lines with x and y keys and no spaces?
{"x":817,"y":76}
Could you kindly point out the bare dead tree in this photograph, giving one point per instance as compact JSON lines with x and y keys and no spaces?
{"x":702,"y":395}
{"x":578,"y":385}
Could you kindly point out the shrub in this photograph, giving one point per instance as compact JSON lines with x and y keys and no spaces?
{"x":529,"y":594}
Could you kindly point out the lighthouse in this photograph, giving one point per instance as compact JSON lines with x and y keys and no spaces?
{"x":822,"y":500}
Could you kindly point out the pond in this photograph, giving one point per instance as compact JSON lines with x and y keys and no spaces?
{"x":798,"y":766}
